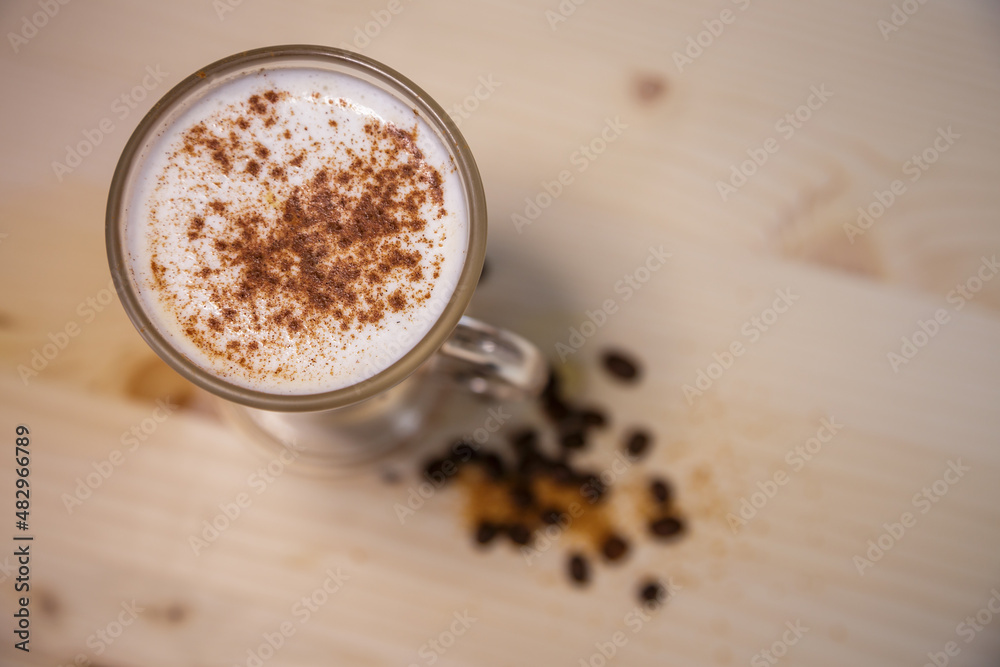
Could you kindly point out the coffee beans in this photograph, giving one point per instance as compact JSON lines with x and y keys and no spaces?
{"x":463,"y":451}
{"x":519,"y":533}
{"x":573,"y":440}
{"x":486,"y":531}
{"x":620,"y":366}
{"x":524,"y":440}
{"x":594,"y":417}
{"x":521,"y":496}
{"x":637,"y":443}
{"x":660,"y":491}
{"x":579,"y":568}
{"x":666,"y":527}
{"x":551,"y":516}
{"x":537,"y":489}
{"x":614,"y":547}
{"x":493,"y":466}
{"x":434,"y":469}
{"x":651,"y":592}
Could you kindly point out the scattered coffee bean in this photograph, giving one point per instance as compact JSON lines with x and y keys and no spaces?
{"x":579,"y":569}
{"x":492,"y":466}
{"x":561,"y":473}
{"x":486,"y":531}
{"x":572,"y":421}
{"x":552,"y":387}
{"x":660,"y":491}
{"x":556,"y":409}
{"x":519,"y":533}
{"x":620,"y":365}
{"x":525,"y":440}
{"x":518,"y":474}
{"x":530,"y":464}
{"x":521,"y":496}
{"x":651,"y":592}
{"x":463,"y":452}
{"x":434,"y":469}
{"x":594,"y":417}
{"x":551,"y":516}
{"x":637,"y":443}
{"x":573,"y":440}
{"x":665,"y":527}
{"x":614,"y":547}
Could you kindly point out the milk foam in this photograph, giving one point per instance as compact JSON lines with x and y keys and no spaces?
{"x":186,"y":199}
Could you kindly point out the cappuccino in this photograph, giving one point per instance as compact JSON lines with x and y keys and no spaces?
{"x":295,"y":231}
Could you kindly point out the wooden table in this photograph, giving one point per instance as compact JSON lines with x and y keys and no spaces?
{"x":824,"y":176}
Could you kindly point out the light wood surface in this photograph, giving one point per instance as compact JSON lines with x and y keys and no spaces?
{"x":655,"y":184}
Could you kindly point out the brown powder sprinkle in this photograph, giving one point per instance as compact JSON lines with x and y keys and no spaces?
{"x":256,"y":105}
{"x":194,"y":228}
{"x":397,"y":301}
{"x":334,"y":248}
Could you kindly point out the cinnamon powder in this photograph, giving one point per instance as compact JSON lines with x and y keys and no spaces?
{"x":344,"y":246}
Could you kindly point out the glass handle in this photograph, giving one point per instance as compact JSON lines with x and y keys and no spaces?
{"x":493,"y":362}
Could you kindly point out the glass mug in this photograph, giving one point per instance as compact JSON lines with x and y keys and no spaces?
{"x":362,"y":421}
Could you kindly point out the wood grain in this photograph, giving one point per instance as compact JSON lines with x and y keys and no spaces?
{"x":654,"y":185}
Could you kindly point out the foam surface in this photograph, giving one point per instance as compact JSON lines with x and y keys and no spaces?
{"x":296,"y":231}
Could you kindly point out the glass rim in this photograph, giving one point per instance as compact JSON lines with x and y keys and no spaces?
{"x":397,"y":85}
